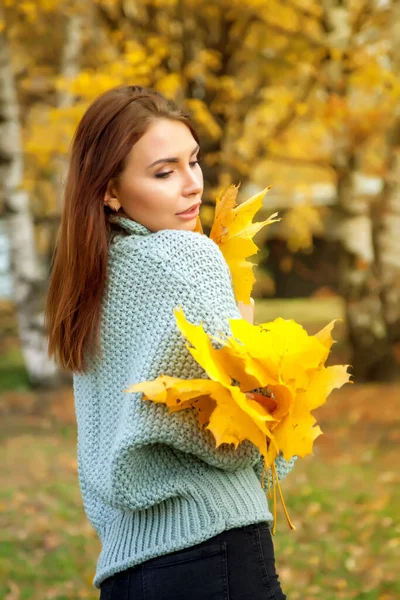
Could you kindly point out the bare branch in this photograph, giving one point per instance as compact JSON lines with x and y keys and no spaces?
{"x":291,"y":115}
{"x":301,"y":35}
{"x":305,"y":12}
{"x":362,"y":16}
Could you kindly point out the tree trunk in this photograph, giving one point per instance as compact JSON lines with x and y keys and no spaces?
{"x":359,"y":282}
{"x":371,"y":351}
{"x":387,"y":243}
{"x":70,"y":64}
{"x":387,"y":219}
{"x":28,"y":277}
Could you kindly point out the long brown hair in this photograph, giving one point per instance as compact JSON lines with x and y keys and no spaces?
{"x":112,"y":124}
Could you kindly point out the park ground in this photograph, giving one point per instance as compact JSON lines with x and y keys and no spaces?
{"x":344,"y":501}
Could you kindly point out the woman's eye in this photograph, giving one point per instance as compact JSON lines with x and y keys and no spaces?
{"x":168,"y":173}
{"x":196,"y":162}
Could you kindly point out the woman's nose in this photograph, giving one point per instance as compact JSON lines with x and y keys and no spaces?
{"x":194,"y":182}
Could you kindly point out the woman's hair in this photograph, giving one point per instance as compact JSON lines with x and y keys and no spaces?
{"x":111,"y":125}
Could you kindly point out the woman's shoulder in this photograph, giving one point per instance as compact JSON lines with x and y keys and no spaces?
{"x":177,"y":241}
{"x":174,"y":247}
{"x":189,"y":253}
{"x":171,"y":264}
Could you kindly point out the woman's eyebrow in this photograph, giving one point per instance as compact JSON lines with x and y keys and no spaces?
{"x":171,"y":160}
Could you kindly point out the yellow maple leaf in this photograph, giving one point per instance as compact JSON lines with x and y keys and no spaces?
{"x":278,"y":347}
{"x":284,"y":357}
{"x":198,"y":227}
{"x":233,"y":231}
{"x":230,"y":415}
{"x":264,"y":381}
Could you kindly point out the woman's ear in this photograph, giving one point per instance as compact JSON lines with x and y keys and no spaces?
{"x":111,"y":198}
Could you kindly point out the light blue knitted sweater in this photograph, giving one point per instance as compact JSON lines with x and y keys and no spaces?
{"x":153,"y":482}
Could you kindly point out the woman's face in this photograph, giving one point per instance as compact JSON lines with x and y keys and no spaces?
{"x":161,"y":178}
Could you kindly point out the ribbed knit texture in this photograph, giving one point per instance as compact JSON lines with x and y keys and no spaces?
{"x":154,"y":482}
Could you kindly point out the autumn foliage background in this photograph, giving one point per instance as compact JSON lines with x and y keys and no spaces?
{"x":301,"y":95}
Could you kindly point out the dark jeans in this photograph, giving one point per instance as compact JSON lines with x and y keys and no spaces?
{"x":237,"y":564}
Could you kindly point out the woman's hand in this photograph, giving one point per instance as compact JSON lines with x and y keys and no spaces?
{"x":247,"y":310}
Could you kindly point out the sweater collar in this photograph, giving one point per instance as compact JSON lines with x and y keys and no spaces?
{"x":129,"y":225}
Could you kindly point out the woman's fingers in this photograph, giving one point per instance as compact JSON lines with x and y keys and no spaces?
{"x":247,"y":310}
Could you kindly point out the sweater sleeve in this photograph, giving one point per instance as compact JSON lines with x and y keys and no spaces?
{"x":131,"y":452}
{"x":216,"y":303}
{"x":282,"y":466}
{"x":197,"y":278}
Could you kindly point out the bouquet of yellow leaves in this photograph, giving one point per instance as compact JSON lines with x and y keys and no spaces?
{"x":265,"y":379}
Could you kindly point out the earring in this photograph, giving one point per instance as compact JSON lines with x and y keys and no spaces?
{"x":114,"y":205}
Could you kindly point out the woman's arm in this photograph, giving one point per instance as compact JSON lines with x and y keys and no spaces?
{"x":133,"y":452}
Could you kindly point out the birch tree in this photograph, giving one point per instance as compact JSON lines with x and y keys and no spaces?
{"x":297,"y":83}
{"x":29,"y":279}
{"x":367,"y":270}
{"x":366,"y":327}
{"x":69,"y":70}
{"x":29,"y":270}
{"x":353,"y":105}
{"x":387,"y":223}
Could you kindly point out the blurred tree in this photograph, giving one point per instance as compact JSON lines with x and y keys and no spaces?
{"x":288,"y":83}
{"x":28,"y":268}
{"x":71,"y":57}
{"x":386,"y":218}
{"x":362,"y":91}
{"x":212,"y":58}
{"x":348,"y":128}
{"x":28,"y":275}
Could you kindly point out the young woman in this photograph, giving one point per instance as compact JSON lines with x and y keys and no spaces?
{"x":178,"y":518}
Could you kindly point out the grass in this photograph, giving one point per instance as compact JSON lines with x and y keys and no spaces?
{"x":344,"y":502}
{"x":48,"y":549}
{"x":323,"y":310}
{"x":13,"y":375}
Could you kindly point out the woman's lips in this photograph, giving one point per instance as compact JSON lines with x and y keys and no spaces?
{"x":190,"y":213}
{"x":191,"y":209}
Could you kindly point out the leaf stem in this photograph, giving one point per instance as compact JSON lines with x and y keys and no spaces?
{"x":281,"y":497}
